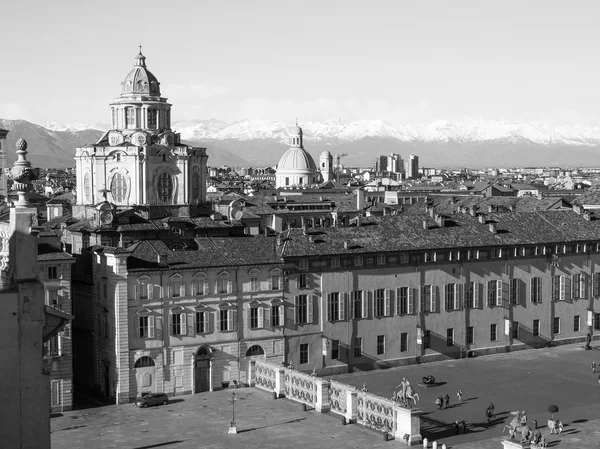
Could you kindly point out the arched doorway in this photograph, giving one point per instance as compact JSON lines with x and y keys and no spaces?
{"x":202,"y":369}
{"x":254,"y":353}
{"x":145,"y":375}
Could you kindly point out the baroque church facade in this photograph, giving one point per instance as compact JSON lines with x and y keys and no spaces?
{"x":140,"y":163}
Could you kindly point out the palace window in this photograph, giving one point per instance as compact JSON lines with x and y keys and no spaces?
{"x":200,"y":284}
{"x":556,"y":325}
{"x":403,"y":341}
{"x":514,"y":291}
{"x":358,"y":261}
{"x":152,"y":118}
{"x":536,"y":328}
{"x":515,"y":329}
{"x":452,"y":296}
{"x":380,"y":344}
{"x":405,"y":300}
{"x":303,"y":353}
{"x":303,"y":309}
{"x":381,"y":259}
{"x":52,"y":272}
{"x":303,"y":264}
{"x":118,"y":188}
{"x":381,"y":302}
{"x":335,"y":349}
{"x":145,"y":326}
{"x":428,"y":302}
{"x":257,"y":316}
{"x":335,"y":307}
{"x":449,"y":337}
{"x":358,"y":304}
{"x":302,"y":280}
{"x":201,"y":322}
{"x":535,"y":287}
{"x":561,"y":287}
{"x":576,"y":323}
{"x":226,"y":320}
{"x":335,"y":262}
{"x":254,"y":281}
{"x":493,"y":332}
{"x":596,"y":285}
{"x":470,"y":335}
{"x":277,"y":315}
{"x":472,"y":294}
{"x":578,"y":283}
{"x":178,"y":321}
{"x":165,"y":187}
{"x":494,"y":293}
{"x":53,"y":347}
{"x":224,"y":284}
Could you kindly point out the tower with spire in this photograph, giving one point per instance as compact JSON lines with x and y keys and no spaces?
{"x":140,"y":162}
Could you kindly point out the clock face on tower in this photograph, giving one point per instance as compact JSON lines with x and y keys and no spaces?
{"x":106,"y":217}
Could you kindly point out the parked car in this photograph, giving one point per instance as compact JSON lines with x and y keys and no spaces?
{"x":152,"y":399}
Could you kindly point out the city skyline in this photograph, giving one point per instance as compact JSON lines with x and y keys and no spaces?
{"x":399,"y":62}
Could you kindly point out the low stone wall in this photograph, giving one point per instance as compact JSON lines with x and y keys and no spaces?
{"x":356,"y":407}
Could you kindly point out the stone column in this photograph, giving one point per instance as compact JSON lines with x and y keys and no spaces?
{"x":322,"y":403}
{"x":251,"y":369}
{"x":280,"y":382}
{"x":408,"y":422}
{"x":351,"y":406}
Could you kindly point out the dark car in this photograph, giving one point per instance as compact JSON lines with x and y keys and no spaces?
{"x":152,"y":399}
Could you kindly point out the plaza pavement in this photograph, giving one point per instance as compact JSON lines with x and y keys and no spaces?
{"x":529,"y":380}
{"x":524,"y":380}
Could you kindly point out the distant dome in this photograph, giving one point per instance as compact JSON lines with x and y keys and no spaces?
{"x":325,"y":154}
{"x":296,"y":130}
{"x":140,"y":80}
{"x":296,"y":159}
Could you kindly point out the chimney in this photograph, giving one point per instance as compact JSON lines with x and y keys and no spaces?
{"x":425,"y":225}
{"x":163,"y":259}
{"x":346,"y":244}
{"x":360,"y":199}
{"x":431,"y":212}
{"x":311,"y":238}
{"x":493,"y":228}
{"x":587,"y":216}
{"x":472,"y":211}
{"x":490,"y":209}
{"x":439,"y":219}
{"x":358,"y":219}
{"x":511,"y":208}
{"x":578,"y":209}
{"x":481,"y":218}
{"x":426,"y":208}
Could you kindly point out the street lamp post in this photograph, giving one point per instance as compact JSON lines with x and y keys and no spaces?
{"x":232,"y":427}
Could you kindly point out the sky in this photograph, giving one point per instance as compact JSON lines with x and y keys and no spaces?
{"x":400,"y":61}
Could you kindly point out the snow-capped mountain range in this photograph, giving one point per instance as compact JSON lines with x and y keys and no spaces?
{"x":438,"y":131}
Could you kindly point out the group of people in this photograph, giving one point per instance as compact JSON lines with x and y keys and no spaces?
{"x":460,"y":427}
{"x":442,"y":402}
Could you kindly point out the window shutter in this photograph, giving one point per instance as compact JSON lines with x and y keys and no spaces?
{"x":562,"y":287}
{"x":136,"y":326}
{"x":476,"y":294}
{"x":230,"y":320}
{"x":371,"y":294}
{"x":352,"y":306}
{"x":210,"y":322}
{"x":169,"y":288}
{"x":150,"y":288}
{"x":183,"y":323}
{"x":261,"y":317}
{"x":329,"y":308}
{"x":281,"y":315}
{"x":270,"y":282}
{"x":158,"y":327}
{"x":59,"y":345}
{"x":205,"y":288}
{"x":194,"y":287}
{"x":191,"y":324}
{"x":365,"y":304}
{"x":501,"y":290}
{"x":555,"y":288}
{"x":567,"y":288}
{"x":423,"y":299}
{"x":532,"y":290}
{"x":182,"y":289}
{"x":229,"y":286}
{"x":310,"y":306}
{"x":457,"y":296}
{"x":410,"y":299}
{"x":296,"y":309}
{"x":266,"y":312}
{"x":582,"y":285}
{"x":433,"y":297}
{"x":342,"y":316}
{"x":387,"y":302}
{"x":170,"y":324}
{"x":151,"y":327}
{"x":138,"y":292}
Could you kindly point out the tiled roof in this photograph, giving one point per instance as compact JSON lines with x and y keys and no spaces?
{"x":591,"y":197}
{"x":51,"y":252}
{"x":406,"y":233}
{"x":212,"y":252}
{"x":57,"y":221}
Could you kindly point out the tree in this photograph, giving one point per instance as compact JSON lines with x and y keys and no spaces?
{"x":553,"y":409}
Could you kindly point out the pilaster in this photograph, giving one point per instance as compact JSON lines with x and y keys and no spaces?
{"x":351,"y":406}
{"x":322,"y":395}
{"x":408,"y":422}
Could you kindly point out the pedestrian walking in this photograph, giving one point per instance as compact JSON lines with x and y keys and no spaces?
{"x":457,"y":427}
{"x":593,"y":367}
{"x":459,"y":395}
{"x":446,"y":401}
{"x":463,"y":427}
{"x":489,"y":412}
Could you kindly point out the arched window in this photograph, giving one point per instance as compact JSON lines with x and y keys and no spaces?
{"x":255,"y":350}
{"x":118,"y":188}
{"x":130,"y":116}
{"x":203,"y":352}
{"x":195,"y":185}
{"x":144,"y":362}
{"x":165,"y":187}
{"x":87,"y":188}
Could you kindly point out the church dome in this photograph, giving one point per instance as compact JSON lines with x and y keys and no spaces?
{"x":325,"y":154}
{"x":296,"y":130}
{"x":140,"y":81}
{"x":296,"y":159}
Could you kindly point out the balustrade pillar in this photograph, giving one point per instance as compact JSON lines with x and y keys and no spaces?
{"x":251,"y":373}
{"x":351,"y":406}
{"x":322,"y":403}
{"x":280,"y":382}
{"x":408,"y":422}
